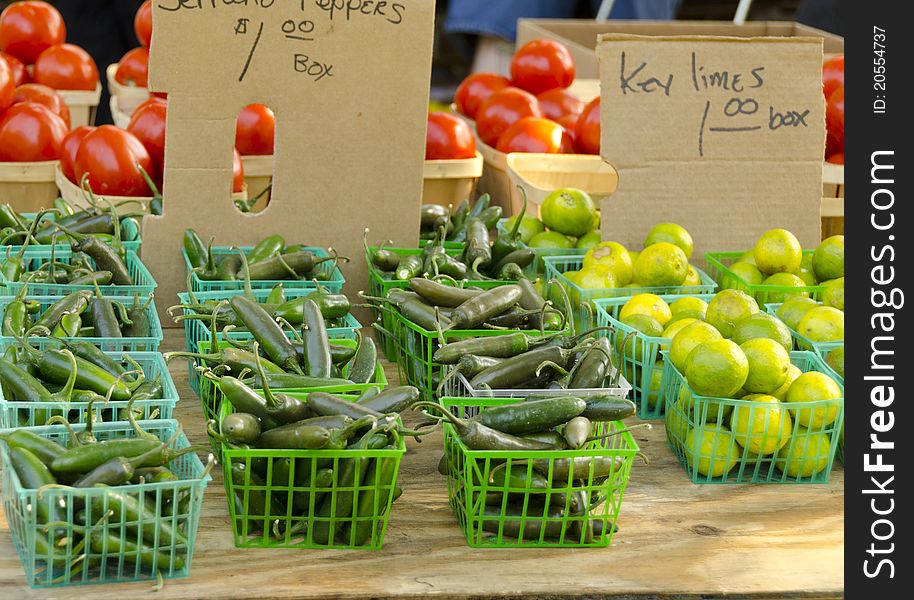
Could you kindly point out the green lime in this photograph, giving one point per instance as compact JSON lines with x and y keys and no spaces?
{"x":529,"y":226}
{"x":589,"y":239}
{"x":828,"y":260}
{"x":568,"y":210}
{"x":550,"y":239}
{"x":661,"y":265}
{"x":670,"y":233}
{"x":763,"y":325}
{"x":793,"y":309}
{"x":718,"y":368}
{"x":778,"y":251}
{"x":727,"y":308}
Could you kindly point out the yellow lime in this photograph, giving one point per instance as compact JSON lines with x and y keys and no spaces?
{"x":792,"y":373}
{"x":763,"y":427}
{"x":573,"y":276}
{"x":763,"y":325}
{"x":647,"y":304}
{"x":828,"y":259}
{"x":707,"y":411}
{"x":589,"y":239}
{"x":529,"y":226}
{"x":688,"y":339}
{"x":677,"y":421}
{"x":689,"y":303}
{"x":729,"y":307}
{"x":793,"y":309}
{"x":748,"y":257}
{"x":822,"y":324}
{"x":698,"y":315}
{"x":674,"y":327}
{"x":815,"y":387}
{"x":595,"y":277}
{"x":653,"y":392}
{"x":835,"y":360}
{"x":692,"y":277}
{"x":568,"y":210}
{"x":634,"y":346}
{"x":783,"y":280}
{"x":717,"y":450}
{"x":661,"y":265}
{"x":834,"y":293}
{"x":806,"y":455}
{"x":716,"y":369}
{"x":613,"y":256}
{"x":670,"y":233}
{"x":633,"y":254}
{"x":748,"y":272}
{"x":551,"y":239}
{"x":806,"y":272}
{"x":777,"y":251}
{"x":768,"y":365}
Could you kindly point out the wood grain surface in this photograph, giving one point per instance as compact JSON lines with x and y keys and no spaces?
{"x":676,"y":540}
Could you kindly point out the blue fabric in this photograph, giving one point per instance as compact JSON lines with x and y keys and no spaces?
{"x":498,"y":18}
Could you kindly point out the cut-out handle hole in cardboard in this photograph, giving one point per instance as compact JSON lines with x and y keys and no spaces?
{"x":255,"y":138}
{"x":350,"y":148}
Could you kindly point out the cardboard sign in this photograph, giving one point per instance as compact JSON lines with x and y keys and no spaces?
{"x":722,"y":135}
{"x":348,"y":83}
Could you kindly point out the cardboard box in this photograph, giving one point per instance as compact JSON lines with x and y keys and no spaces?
{"x":350,"y":95}
{"x":580,"y":35}
{"x":722,"y":135}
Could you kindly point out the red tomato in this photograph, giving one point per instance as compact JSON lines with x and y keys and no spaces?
{"x":30,"y":132}
{"x":834,"y":117}
{"x":476,"y":88}
{"x":42,"y":94}
{"x":836,"y":159}
{"x":503,"y":109}
{"x":568,"y":122}
{"x":448,"y":137}
{"x":142,"y":24}
{"x":20,"y":74}
{"x":7,"y":85}
{"x":148,"y":125}
{"x":255,"y":130}
{"x":541,"y":65}
{"x":110,"y":156}
{"x":68,"y":148}
{"x":832,"y":75}
{"x":587,"y":129}
{"x":29,"y":28}
{"x":535,"y":134}
{"x":133,"y":68}
{"x":237,"y":172}
{"x":66,"y":67}
{"x":557,"y":103}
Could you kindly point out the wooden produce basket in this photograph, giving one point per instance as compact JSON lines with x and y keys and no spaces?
{"x":82,"y":104}
{"x":128,"y":96}
{"x":585,"y":89}
{"x":832,"y":200}
{"x":120,"y":118}
{"x":447,"y":182}
{"x":258,"y":174}
{"x":74,"y":195}
{"x":494,"y":180}
{"x":540,"y":174}
{"x":28,"y":186}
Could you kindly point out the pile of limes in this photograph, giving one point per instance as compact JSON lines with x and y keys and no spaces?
{"x":778,"y":260}
{"x":734,"y":351}
{"x":569,"y":218}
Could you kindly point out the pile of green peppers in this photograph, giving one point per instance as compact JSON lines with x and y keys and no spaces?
{"x":434,"y":216}
{"x":102,"y":223}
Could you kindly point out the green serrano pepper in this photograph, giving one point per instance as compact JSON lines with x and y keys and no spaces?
{"x":496,"y":346}
{"x":269,"y":334}
{"x":194,"y":248}
{"x":479,"y":309}
{"x":531,"y":416}
{"x":317,"y":358}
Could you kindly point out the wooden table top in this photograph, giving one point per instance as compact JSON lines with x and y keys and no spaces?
{"x":675,"y":540}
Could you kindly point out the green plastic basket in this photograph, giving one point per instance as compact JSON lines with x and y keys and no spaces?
{"x":380,"y":283}
{"x":130,"y":235}
{"x":780,"y":451}
{"x":211,"y":396}
{"x":144,"y":285}
{"x":197,"y":335}
{"x":262,"y":497}
{"x":334,"y":283}
{"x":538,"y":268}
{"x":18,"y":413}
{"x":640,"y":358}
{"x":148,"y":343}
{"x":718,"y":264}
{"x":582,"y":298}
{"x":472,"y":482}
{"x":823,"y":354}
{"x":416,"y":347}
{"x":801,"y":341}
{"x":102,"y":563}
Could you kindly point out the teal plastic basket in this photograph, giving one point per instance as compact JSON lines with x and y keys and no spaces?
{"x":801,"y":342}
{"x":538,"y":268}
{"x":639,"y":358}
{"x":197,"y":334}
{"x":143,"y":283}
{"x":18,"y":413}
{"x":148,"y":343}
{"x":776,"y":450}
{"x":101,"y":562}
{"x":493,"y":512}
{"x":334,"y":283}
{"x":823,"y":354}
{"x":718,"y":264}
{"x":582,"y":298}
{"x":211,"y":396}
{"x":130,"y":235}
